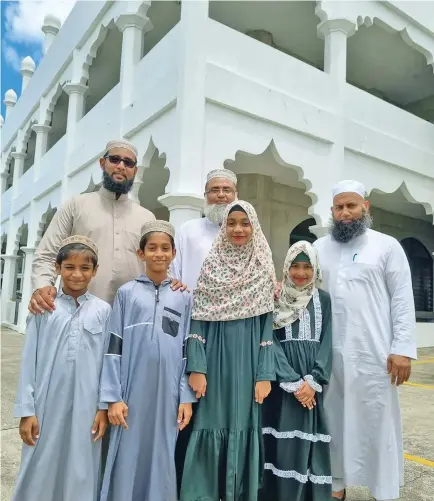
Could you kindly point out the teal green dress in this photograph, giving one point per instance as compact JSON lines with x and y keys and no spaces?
{"x":297,"y":441}
{"x":225,"y":453}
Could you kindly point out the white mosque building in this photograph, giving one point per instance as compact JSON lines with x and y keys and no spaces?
{"x":292,"y":96}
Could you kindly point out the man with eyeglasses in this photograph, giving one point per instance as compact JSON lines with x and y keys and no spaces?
{"x":109,"y":218}
{"x":195,"y":238}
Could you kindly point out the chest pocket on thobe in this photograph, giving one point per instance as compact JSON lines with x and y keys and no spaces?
{"x":92,"y":326}
{"x":170,"y":321}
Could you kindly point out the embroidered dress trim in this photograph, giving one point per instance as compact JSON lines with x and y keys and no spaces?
{"x":318,"y":437}
{"x":311,"y":382}
{"x":315,"y":479}
{"x":318,"y":315}
{"x":291,"y":387}
{"x":266,"y":343}
{"x":196,"y":336}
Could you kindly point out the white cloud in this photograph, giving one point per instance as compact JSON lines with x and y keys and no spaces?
{"x":24,"y":18}
{"x":11,"y":56}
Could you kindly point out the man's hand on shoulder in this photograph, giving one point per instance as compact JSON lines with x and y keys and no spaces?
{"x":177,"y":285}
{"x":400,"y":369}
{"x":43,"y":300}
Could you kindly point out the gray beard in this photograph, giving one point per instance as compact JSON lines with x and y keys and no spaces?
{"x":111,"y":185}
{"x":215,"y":212}
{"x":345,"y":232}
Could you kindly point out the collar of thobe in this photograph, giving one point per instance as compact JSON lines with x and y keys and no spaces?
{"x":81,"y":299}
{"x":144,"y":278}
{"x":112,"y":196}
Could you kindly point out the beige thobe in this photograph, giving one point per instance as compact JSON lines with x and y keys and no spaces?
{"x":114,"y":226}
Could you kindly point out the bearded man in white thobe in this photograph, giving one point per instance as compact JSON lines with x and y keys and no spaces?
{"x":368,"y":277}
{"x":194,"y":239}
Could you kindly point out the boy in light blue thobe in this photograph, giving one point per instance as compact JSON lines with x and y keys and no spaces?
{"x":143,"y":379}
{"x":57,"y":398}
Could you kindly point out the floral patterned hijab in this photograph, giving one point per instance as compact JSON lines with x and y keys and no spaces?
{"x":293,"y":300}
{"x":236,"y":281}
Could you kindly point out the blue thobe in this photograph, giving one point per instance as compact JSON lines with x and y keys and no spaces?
{"x":145,"y":368}
{"x":59,"y":379}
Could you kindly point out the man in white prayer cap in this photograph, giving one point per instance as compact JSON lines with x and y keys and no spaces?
{"x":195,"y":238}
{"x":373,"y":317}
{"x":109,"y":218}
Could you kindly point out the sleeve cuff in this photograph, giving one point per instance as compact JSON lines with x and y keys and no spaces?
{"x":404,"y":350}
{"x":291,"y":387}
{"x":103,"y":406}
{"x":24,"y":410}
{"x":110,"y":396}
{"x":311,"y":382}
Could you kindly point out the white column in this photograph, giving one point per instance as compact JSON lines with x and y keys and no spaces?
{"x":8,"y":287}
{"x":4,"y":179}
{"x":77,"y":93}
{"x":42,"y":132}
{"x":18,"y":169}
{"x":10,"y":101}
{"x":182,"y":207}
{"x":26,"y":288}
{"x":133,"y":27}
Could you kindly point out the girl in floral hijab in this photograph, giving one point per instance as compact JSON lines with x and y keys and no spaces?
{"x":297,"y":463}
{"x":231,"y":361}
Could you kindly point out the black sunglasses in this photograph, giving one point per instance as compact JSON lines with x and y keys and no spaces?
{"x":116,"y":159}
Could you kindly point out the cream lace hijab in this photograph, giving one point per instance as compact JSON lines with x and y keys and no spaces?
{"x":236,"y":281}
{"x":293,"y":300}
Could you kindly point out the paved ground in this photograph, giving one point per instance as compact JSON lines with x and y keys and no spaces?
{"x":417,"y":407}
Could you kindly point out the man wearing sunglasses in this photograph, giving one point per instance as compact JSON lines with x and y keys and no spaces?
{"x":109,"y":218}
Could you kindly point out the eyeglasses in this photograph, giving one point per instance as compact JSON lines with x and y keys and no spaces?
{"x":116,"y":159}
{"x":217,"y":191}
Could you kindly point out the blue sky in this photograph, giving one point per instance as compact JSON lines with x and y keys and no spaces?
{"x":21,"y":36}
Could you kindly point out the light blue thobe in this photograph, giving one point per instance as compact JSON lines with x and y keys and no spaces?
{"x":59,"y":379}
{"x":144,"y":367}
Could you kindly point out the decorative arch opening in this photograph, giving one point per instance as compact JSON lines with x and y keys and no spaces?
{"x":381,"y":63}
{"x":279,"y":194}
{"x":58,"y":117}
{"x":302,"y":232}
{"x":164,"y":16}
{"x":152,"y":184}
{"x":9,"y":169}
{"x":104,"y":71}
{"x":20,"y":242}
{"x":4,"y":242}
{"x":421,"y":265}
{"x":29,"y":149}
{"x":44,"y":223}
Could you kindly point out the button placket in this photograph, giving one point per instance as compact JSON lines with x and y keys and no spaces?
{"x":74,"y":335}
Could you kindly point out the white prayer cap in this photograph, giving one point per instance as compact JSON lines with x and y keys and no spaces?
{"x":159,"y":226}
{"x":121,"y":143}
{"x":227,"y":174}
{"x":349,"y":186}
{"x":79,"y":239}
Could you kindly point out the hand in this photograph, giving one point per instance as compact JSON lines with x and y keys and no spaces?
{"x":117,"y":412}
{"x":262,"y":390}
{"x":400,"y":368}
{"x":185,"y":411}
{"x":176,"y":284}
{"x":100,"y":425}
{"x":197,"y":383}
{"x":43,"y":300}
{"x":29,"y":430}
{"x":306,"y":395}
{"x":277,"y":290}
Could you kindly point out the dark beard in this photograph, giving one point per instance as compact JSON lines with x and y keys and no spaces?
{"x":111,"y":185}
{"x":345,"y":232}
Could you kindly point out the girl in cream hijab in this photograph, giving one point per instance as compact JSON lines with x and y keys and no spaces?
{"x":297,"y":463}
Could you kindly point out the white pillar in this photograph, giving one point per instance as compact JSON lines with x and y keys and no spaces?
{"x":76,"y":92}
{"x":182,"y":207}
{"x":19,"y":158}
{"x":10,"y":101}
{"x":4,"y":179}
{"x":26,"y":288}
{"x":50,"y":28}
{"x":42,"y":132}
{"x":8,"y":287}
{"x":133,"y":27}
{"x":27,"y":69}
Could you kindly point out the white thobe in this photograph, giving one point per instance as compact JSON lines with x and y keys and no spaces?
{"x":369,"y":281}
{"x":193,"y":242}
